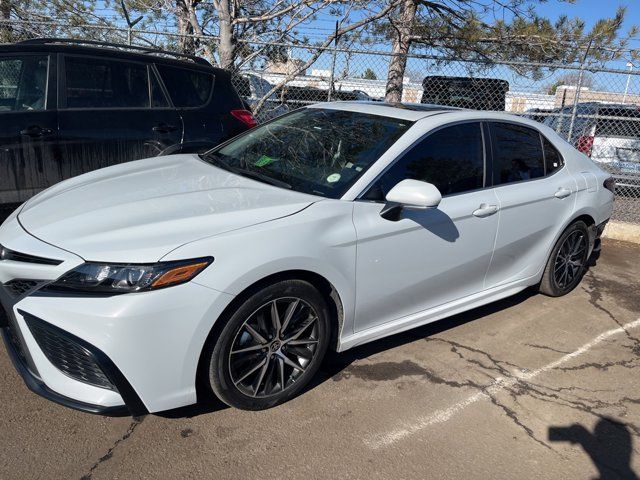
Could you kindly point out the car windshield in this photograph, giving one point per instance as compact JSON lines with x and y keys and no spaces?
{"x":316,"y":151}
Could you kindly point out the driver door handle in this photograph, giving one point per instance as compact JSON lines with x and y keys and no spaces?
{"x":164,"y":128}
{"x":562,"y":193}
{"x":36,"y":131}
{"x":485,"y":210}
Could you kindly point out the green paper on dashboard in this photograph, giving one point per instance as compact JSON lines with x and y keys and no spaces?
{"x":263,"y":161}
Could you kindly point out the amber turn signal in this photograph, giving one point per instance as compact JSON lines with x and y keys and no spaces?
{"x":179,"y":274}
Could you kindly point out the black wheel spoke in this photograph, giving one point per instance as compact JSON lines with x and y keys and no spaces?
{"x":254,"y":333}
{"x":252,"y":348}
{"x":291,"y":310}
{"x":275,"y":317}
{"x":300,"y":352}
{"x":301,"y":330}
{"x":292,"y":364}
{"x":281,"y":373}
{"x":261,"y":376}
{"x":251,"y":370}
{"x":309,"y":341}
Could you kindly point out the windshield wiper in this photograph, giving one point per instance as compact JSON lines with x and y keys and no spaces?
{"x":243,"y":171}
{"x":261,"y":176}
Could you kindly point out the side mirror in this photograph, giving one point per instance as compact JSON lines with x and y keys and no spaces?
{"x":410,"y":194}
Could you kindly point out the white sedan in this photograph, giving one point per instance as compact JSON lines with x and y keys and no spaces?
{"x":142,"y":286}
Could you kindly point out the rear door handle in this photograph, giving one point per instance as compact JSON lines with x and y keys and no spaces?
{"x":562,"y":193}
{"x":485,"y":210}
{"x":164,"y":128}
{"x":36,"y":131}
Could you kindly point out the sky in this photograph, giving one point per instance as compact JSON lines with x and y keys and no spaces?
{"x":588,"y":10}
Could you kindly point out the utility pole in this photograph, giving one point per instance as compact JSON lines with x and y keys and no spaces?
{"x":333,"y":64}
{"x":130,"y":24}
{"x":626,"y":88}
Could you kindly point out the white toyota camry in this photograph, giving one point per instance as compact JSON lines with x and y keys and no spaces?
{"x":127,"y":288}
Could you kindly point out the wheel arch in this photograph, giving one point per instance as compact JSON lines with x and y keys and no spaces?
{"x":328,"y":291}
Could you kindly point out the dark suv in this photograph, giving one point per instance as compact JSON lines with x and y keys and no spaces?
{"x":68,"y":107}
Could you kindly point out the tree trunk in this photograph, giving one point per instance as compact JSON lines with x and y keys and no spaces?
{"x":186,"y":42}
{"x":226,"y":42}
{"x":400,"y":48}
{"x":6,"y":32}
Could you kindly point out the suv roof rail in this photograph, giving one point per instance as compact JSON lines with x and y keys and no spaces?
{"x":74,"y":41}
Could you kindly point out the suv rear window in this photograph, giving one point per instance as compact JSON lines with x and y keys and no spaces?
{"x":626,"y":125}
{"x":242,"y":85}
{"x":187,"y":88}
{"x":104,"y":83}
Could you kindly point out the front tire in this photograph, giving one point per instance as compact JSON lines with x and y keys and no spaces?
{"x":270,"y":347}
{"x":567,"y":263}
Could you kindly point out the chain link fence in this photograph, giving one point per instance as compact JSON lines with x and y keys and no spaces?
{"x":594,"y":107}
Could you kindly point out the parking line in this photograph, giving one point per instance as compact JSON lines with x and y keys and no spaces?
{"x":500,"y":383}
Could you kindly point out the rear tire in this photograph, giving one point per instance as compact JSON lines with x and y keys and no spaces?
{"x":567,"y":263}
{"x":270,"y":347}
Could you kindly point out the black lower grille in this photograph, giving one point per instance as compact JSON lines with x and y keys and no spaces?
{"x":17,"y":288}
{"x":67,"y":355}
{"x":17,"y":345}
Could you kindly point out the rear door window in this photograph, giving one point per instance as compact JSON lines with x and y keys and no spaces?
{"x":23,"y":83}
{"x":187,"y":88}
{"x":158,"y":98}
{"x":103,"y":83}
{"x":517,"y":153}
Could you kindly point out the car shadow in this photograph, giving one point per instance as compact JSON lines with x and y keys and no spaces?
{"x":335,"y":362}
{"x":195,"y":410}
{"x":609,"y":446}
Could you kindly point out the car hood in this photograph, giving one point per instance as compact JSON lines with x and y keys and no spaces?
{"x":139,"y":211}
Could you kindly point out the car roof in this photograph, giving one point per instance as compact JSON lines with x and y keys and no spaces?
{"x":107,"y":50}
{"x":404,"y":111}
{"x":418,"y":111}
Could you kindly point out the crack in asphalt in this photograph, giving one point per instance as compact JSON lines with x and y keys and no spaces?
{"x":594,"y":289}
{"x":107,"y":456}
{"x":509,"y":378}
{"x":545,"y":347}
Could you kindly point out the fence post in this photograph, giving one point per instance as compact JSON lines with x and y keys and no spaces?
{"x":333,"y":64}
{"x":576,"y":98}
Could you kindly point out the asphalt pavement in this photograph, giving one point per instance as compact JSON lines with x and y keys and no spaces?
{"x":530,"y":387}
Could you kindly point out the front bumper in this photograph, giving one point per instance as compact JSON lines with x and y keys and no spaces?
{"x":147,"y":344}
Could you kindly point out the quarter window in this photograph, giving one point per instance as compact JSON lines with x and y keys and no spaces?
{"x":187,"y":88}
{"x":23,"y":83}
{"x":517,"y":153}
{"x":451,"y":158}
{"x":102,"y":83}
{"x":552,"y":158}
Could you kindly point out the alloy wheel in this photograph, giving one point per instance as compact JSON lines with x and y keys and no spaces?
{"x":273,"y":347}
{"x":570,"y":259}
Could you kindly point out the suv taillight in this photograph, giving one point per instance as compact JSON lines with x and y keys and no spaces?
{"x":585,"y":144}
{"x":610,"y":184}
{"x":245,"y":116}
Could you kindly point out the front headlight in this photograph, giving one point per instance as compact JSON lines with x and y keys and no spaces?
{"x":126,"y":278}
